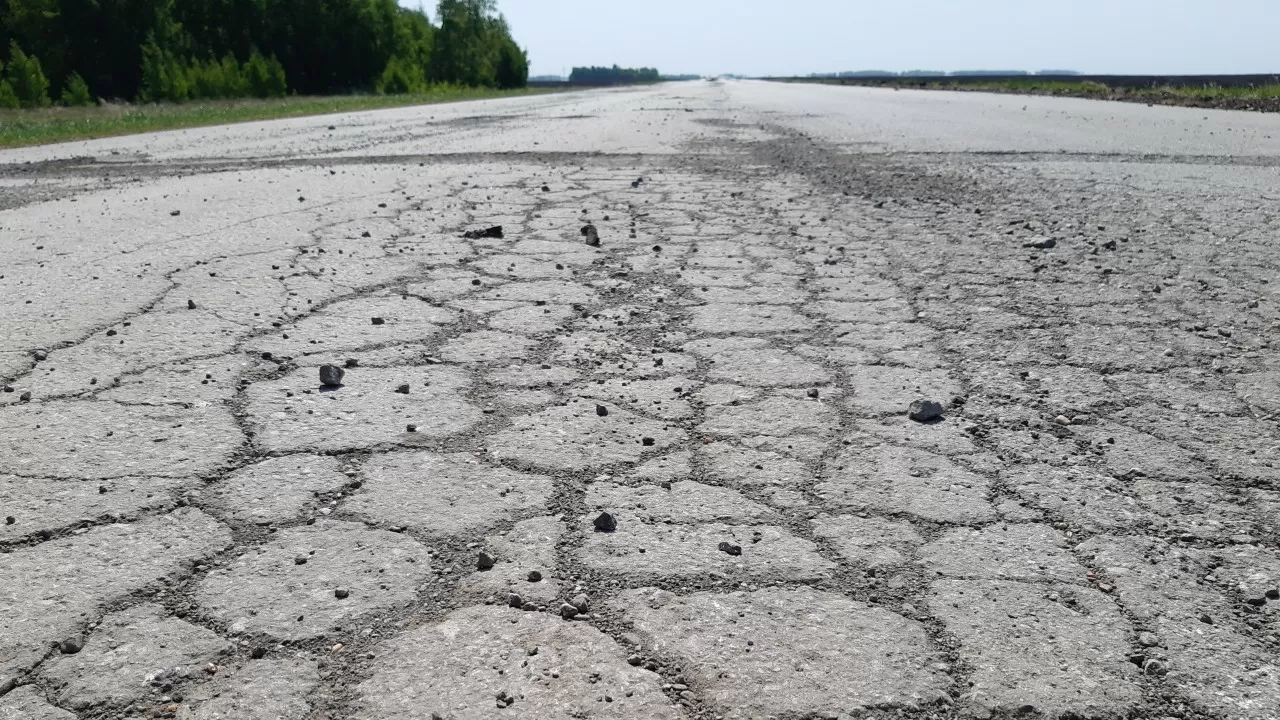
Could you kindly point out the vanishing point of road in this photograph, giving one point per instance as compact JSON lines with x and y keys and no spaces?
{"x":669,"y":475}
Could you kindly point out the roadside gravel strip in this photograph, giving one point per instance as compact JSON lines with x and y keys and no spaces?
{"x":764,"y":401}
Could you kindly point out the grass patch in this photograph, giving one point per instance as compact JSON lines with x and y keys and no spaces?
{"x":20,"y":128}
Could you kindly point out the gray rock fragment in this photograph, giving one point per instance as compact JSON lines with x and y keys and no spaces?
{"x":730,"y":548}
{"x":606,"y":523}
{"x":71,"y":645}
{"x":485,"y":561}
{"x":591,"y":235}
{"x":331,"y":375}
{"x":924,"y":410}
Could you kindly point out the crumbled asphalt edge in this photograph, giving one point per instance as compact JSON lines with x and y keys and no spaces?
{"x":869,"y":179}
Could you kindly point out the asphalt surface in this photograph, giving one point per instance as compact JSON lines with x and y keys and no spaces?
{"x":669,"y":476}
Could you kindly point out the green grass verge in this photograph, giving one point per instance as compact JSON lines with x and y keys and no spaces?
{"x":20,"y":128}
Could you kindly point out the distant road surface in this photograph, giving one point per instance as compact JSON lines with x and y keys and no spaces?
{"x":669,"y":476}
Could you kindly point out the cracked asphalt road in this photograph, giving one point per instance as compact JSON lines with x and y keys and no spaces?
{"x":195,"y":528}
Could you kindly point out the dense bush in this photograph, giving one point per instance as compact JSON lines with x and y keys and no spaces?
{"x":75,"y":92}
{"x":186,"y":49}
{"x":27,"y":79}
{"x":8,"y":98}
{"x":401,"y":77}
{"x":265,"y":77}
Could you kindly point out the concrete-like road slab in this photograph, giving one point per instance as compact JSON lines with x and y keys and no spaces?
{"x":672,"y":475}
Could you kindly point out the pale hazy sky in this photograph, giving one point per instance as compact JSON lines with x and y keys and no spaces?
{"x":785,"y":37}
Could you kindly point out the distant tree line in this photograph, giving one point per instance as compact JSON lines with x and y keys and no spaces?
{"x":938,"y":73}
{"x":681,"y":78}
{"x":177,"y":50}
{"x":613,"y":76}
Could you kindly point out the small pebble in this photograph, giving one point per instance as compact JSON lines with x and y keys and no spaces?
{"x":606,"y":523}
{"x":730,"y":549}
{"x":71,"y":645}
{"x":647,"y":442}
{"x":1062,"y":420}
{"x":568,"y":612}
{"x":485,"y":561}
{"x":191,"y":304}
{"x":403,"y":389}
{"x":342,"y":593}
{"x":515,"y":601}
{"x":534,"y":576}
{"x":378,"y":321}
{"x":813,"y":392}
{"x":580,"y":602}
{"x":411,"y":428}
{"x":352,"y":362}
{"x":602,"y":411}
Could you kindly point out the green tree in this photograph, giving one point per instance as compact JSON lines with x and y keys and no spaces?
{"x":163,"y":76}
{"x":265,"y":77}
{"x":8,"y":98}
{"x":512,"y":69}
{"x":180,"y":49}
{"x":75,"y":93}
{"x":27,"y":78}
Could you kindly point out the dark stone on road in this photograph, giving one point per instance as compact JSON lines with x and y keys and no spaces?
{"x":378,"y":321}
{"x":925,"y":410}
{"x":342,"y":593}
{"x":602,"y":411}
{"x":606,"y":523}
{"x":591,"y":234}
{"x":485,"y":561}
{"x":331,"y":375}
{"x":490,"y":232}
{"x":730,"y":549}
